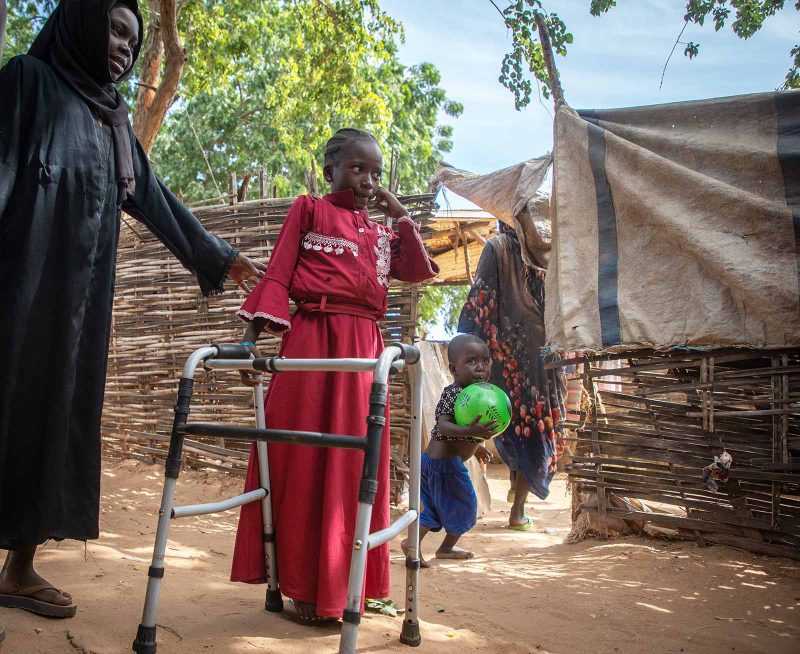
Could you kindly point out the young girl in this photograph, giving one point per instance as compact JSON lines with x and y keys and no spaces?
{"x":335,"y":264}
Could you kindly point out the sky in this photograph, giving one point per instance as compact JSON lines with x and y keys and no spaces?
{"x":616,"y":60}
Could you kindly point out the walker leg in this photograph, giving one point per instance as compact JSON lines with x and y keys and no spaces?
{"x":145,"y":642}
{"x":351,"y":618}
{"x":274,"y":600}
{"x":409,"y":634}
{"x":376,"y":421}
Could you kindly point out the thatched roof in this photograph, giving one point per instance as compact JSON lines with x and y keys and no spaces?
{"x":445,"y":237}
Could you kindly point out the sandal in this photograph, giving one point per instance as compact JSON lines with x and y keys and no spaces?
{"x":23,"y":599}
{"x":316,"y":621}
{"x":525,"y":526}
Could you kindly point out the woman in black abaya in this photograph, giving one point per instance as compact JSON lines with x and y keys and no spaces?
{"x":68,"y":163}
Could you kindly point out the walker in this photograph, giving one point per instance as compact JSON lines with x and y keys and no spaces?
{"x":393,"y":359}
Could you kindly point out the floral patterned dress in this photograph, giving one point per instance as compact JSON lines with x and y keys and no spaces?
{"x":505,"y":308}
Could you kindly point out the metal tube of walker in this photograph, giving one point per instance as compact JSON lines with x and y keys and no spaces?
{"x":410,"y":631}
{"x":273,"y":601}
{"x":375,"y":425}
{"x":145,"y":636}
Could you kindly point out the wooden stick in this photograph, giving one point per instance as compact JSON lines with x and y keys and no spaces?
{"x":549,"y":59}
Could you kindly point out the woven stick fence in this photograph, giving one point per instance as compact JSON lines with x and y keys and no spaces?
{"x":656,"y":421}
{"x":160,"y":318}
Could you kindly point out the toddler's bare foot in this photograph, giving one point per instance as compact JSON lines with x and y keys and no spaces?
{"x":422,"y":562}
{"x":454,"y":553}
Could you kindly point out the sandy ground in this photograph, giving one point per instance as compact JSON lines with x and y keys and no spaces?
{"x":524,"y":592}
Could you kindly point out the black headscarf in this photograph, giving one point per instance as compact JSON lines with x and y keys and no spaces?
{"x":74,"y":42}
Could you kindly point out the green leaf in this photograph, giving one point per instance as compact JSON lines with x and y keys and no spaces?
{"x":383,"y":606}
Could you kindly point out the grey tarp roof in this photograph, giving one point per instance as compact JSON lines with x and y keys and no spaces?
{"x":512,"y":195}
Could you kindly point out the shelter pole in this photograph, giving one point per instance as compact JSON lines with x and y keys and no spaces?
{"x":552,"y":71}
{"x":467,"y":261}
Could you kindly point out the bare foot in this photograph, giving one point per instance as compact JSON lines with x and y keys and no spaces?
{"x":422,"y":562}
{"x":308,"y":614}
{"x":11,"y":584}
{"x":455,"y":553}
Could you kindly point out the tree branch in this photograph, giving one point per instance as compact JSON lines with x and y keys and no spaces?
{"x":671,"y":52}
{"x":205,"y":158}
{"x":499,"y":11}
{"x":153,"y":117}
{"x":547,"y":51}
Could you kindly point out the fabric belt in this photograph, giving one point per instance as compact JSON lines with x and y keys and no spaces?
{"x":323,"y":306}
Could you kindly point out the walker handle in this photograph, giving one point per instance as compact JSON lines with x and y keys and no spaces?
{"x":231,"y":351}
{"x":411,"y":353}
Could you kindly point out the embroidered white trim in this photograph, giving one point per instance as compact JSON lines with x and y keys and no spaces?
{"x":383,"y":254}
{"x":268,"y":316}
{"x":329,"y":244}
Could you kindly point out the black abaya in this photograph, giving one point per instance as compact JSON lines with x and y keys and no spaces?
{"x":59,"y":225}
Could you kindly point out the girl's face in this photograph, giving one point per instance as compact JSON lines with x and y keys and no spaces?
{"x":122,"y":38}
{"x":359,"y":168}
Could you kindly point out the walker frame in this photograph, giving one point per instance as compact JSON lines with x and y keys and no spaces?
{"x":393,"y":358}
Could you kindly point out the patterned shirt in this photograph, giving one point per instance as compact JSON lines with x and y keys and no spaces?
{"x":447,"y":407}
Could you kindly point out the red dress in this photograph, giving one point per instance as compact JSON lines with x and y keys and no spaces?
{"x":335,"y":264}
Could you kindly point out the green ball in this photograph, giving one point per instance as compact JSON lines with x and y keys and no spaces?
{"x":485,"y":400}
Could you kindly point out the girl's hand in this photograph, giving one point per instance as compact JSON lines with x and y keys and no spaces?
{"x":251,"y":377}
{"x":245,"y":269}
{"x":483,"y":455}
{"x":389,"y":204}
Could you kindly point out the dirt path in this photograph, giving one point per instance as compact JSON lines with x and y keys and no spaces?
{"x":525,"y":592}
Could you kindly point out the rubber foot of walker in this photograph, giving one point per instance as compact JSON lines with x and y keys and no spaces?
{"x":274,"y":601}
{"x":145,"y":642}
{"x":410,"y":634}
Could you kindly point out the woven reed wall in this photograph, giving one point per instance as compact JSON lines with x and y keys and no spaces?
{"x":651,"y":434}
{"x":160,"y":318}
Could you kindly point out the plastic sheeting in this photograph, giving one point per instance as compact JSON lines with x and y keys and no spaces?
{"x":511,"y":195}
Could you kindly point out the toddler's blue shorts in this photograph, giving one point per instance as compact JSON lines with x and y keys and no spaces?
{"x":448,"y":498}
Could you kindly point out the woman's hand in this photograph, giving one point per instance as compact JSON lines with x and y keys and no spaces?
{"x":389,"y":204}
{"x":245,"y":269}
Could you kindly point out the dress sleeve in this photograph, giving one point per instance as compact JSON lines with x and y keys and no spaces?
{"x":270,"y":298}
{"x":154,"y":205}
{"x":479,"y":315}
{"x":12,"y":111}
{"x":410,"y":260}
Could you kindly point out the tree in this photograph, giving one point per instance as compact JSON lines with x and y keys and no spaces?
{"x":442,"y":303}
{"x":160,"y":70}
{"x":2,"y":26}
{"x":296,"y":77}
{"x":526,"y":18}
{"x":25,"y":19}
